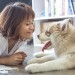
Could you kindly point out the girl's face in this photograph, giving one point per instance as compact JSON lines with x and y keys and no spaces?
{"x":26,"y":29}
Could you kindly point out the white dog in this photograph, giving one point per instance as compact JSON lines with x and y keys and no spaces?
{"x":61,"y":36}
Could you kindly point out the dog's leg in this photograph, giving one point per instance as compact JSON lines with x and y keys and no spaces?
{"x":41,"y":54}
{"x":42,"y":59}
{"x":58,"y":64}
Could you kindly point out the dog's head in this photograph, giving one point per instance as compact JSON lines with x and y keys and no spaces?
{"x":55,"y":29}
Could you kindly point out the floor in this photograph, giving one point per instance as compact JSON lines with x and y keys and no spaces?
{"x":21,"y":69}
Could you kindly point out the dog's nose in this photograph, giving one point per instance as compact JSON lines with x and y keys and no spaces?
{"x":38,"y":36}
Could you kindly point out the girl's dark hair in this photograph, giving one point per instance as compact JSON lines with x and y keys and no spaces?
{"x":12,"y":15}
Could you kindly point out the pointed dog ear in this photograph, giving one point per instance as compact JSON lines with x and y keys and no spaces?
{"x":65,"y":25}
{"x":70,"y":20}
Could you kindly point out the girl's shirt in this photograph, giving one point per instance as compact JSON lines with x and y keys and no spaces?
{"x":18,"y":47}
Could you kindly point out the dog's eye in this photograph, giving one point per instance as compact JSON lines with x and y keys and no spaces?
{"x":47,"y":33}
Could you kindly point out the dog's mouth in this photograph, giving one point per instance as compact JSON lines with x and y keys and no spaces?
{"x":46,"y":45}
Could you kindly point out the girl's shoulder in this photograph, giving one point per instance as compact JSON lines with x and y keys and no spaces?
{"x":2,"y":38}
{"x":3,"y":44}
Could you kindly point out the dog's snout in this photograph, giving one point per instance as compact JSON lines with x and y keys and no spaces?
{"x":38,"y":36}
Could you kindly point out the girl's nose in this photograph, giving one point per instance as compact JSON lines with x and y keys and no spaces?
{"x":32,"y":27}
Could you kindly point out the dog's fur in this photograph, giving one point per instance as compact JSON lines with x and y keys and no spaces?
{"x":62,"y":36}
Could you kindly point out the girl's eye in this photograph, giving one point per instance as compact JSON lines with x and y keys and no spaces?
{"x":32,"y":23}
{"x":27,"y":24}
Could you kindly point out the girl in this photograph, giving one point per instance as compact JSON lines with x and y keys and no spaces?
{"x":16,"y":26}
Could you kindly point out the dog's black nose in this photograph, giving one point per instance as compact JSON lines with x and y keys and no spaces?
{"x":38,"y":36}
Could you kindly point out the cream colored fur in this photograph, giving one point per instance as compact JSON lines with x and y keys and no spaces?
{"x":62,"y":36}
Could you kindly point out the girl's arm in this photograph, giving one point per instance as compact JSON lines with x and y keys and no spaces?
{"x":14,"y":59}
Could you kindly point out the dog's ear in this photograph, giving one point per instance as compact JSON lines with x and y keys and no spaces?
{"x":65,"y":25}
{"x":70,"y":20}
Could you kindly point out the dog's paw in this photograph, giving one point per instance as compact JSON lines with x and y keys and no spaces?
{"x":33,"y":60}
{"x":39,"y":54}
{"x":33,"y":68}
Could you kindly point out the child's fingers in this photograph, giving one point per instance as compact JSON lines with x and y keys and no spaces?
{"x":23,"y":54}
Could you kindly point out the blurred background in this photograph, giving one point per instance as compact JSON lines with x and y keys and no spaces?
{"x":3,"y":3}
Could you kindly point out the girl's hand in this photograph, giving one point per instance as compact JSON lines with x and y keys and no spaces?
{"x":16,"y":58}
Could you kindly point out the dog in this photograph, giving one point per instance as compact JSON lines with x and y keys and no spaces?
{"x":61,"y":37}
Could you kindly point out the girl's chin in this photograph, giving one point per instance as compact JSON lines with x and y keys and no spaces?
{"x":30,"y":37}
{"x":25,"y":38}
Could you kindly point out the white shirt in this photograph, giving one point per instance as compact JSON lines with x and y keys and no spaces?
{"x":19,"y":46}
